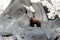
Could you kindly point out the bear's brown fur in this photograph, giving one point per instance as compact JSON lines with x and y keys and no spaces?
{"x":34,"y":21}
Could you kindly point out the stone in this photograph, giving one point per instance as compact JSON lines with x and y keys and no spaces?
{"x":10,"y":38}
{"x":35,"y":33}
{"x":15,"y":10}
{"x":26,"y":2}
{"x":40,"y":13}
{"x":6,"y":34}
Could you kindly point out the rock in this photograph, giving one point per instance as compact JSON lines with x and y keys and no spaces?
{"x":10,"y":38}
{"x":37,"y":11}
{"x":40,"y":13}
{"x":1,"y":38}
{"x":35,"y":33}
{"x":26,"y":2}
{"x":44,"y":16}
{"x":47,"y":25}
{"x":39,"y":37}
{"x":57,"y":30}
{"x":6,"y":34}
{"x":57,"y":22}
{"x":29,"y":13}
{"x":23,"y":21}
{"x":19,"y":37}
{"x":15,"y":10}
{"x":19,"y":29}
{"x":58,"y":38}
{"x":49,"y":1}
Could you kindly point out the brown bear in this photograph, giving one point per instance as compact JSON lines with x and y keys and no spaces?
{"x":34,"y":21}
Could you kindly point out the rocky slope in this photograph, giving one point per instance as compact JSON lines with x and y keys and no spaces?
{"x":14,"y":23}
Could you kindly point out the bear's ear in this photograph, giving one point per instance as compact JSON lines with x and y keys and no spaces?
{"x":31,"y":18}
{"x":28,"y":17}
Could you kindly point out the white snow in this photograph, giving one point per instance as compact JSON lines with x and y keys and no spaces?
{"x":55,"y":2}
{"x":35,"y":1}
{"x":3,"y":5}
{"x":29,"y":8}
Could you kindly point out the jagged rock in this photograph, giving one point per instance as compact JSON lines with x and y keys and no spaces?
{"x":16,"y":6}
{"x":6,"y":34}
{"x":15,"y":10}
{"x":40,"y":13}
